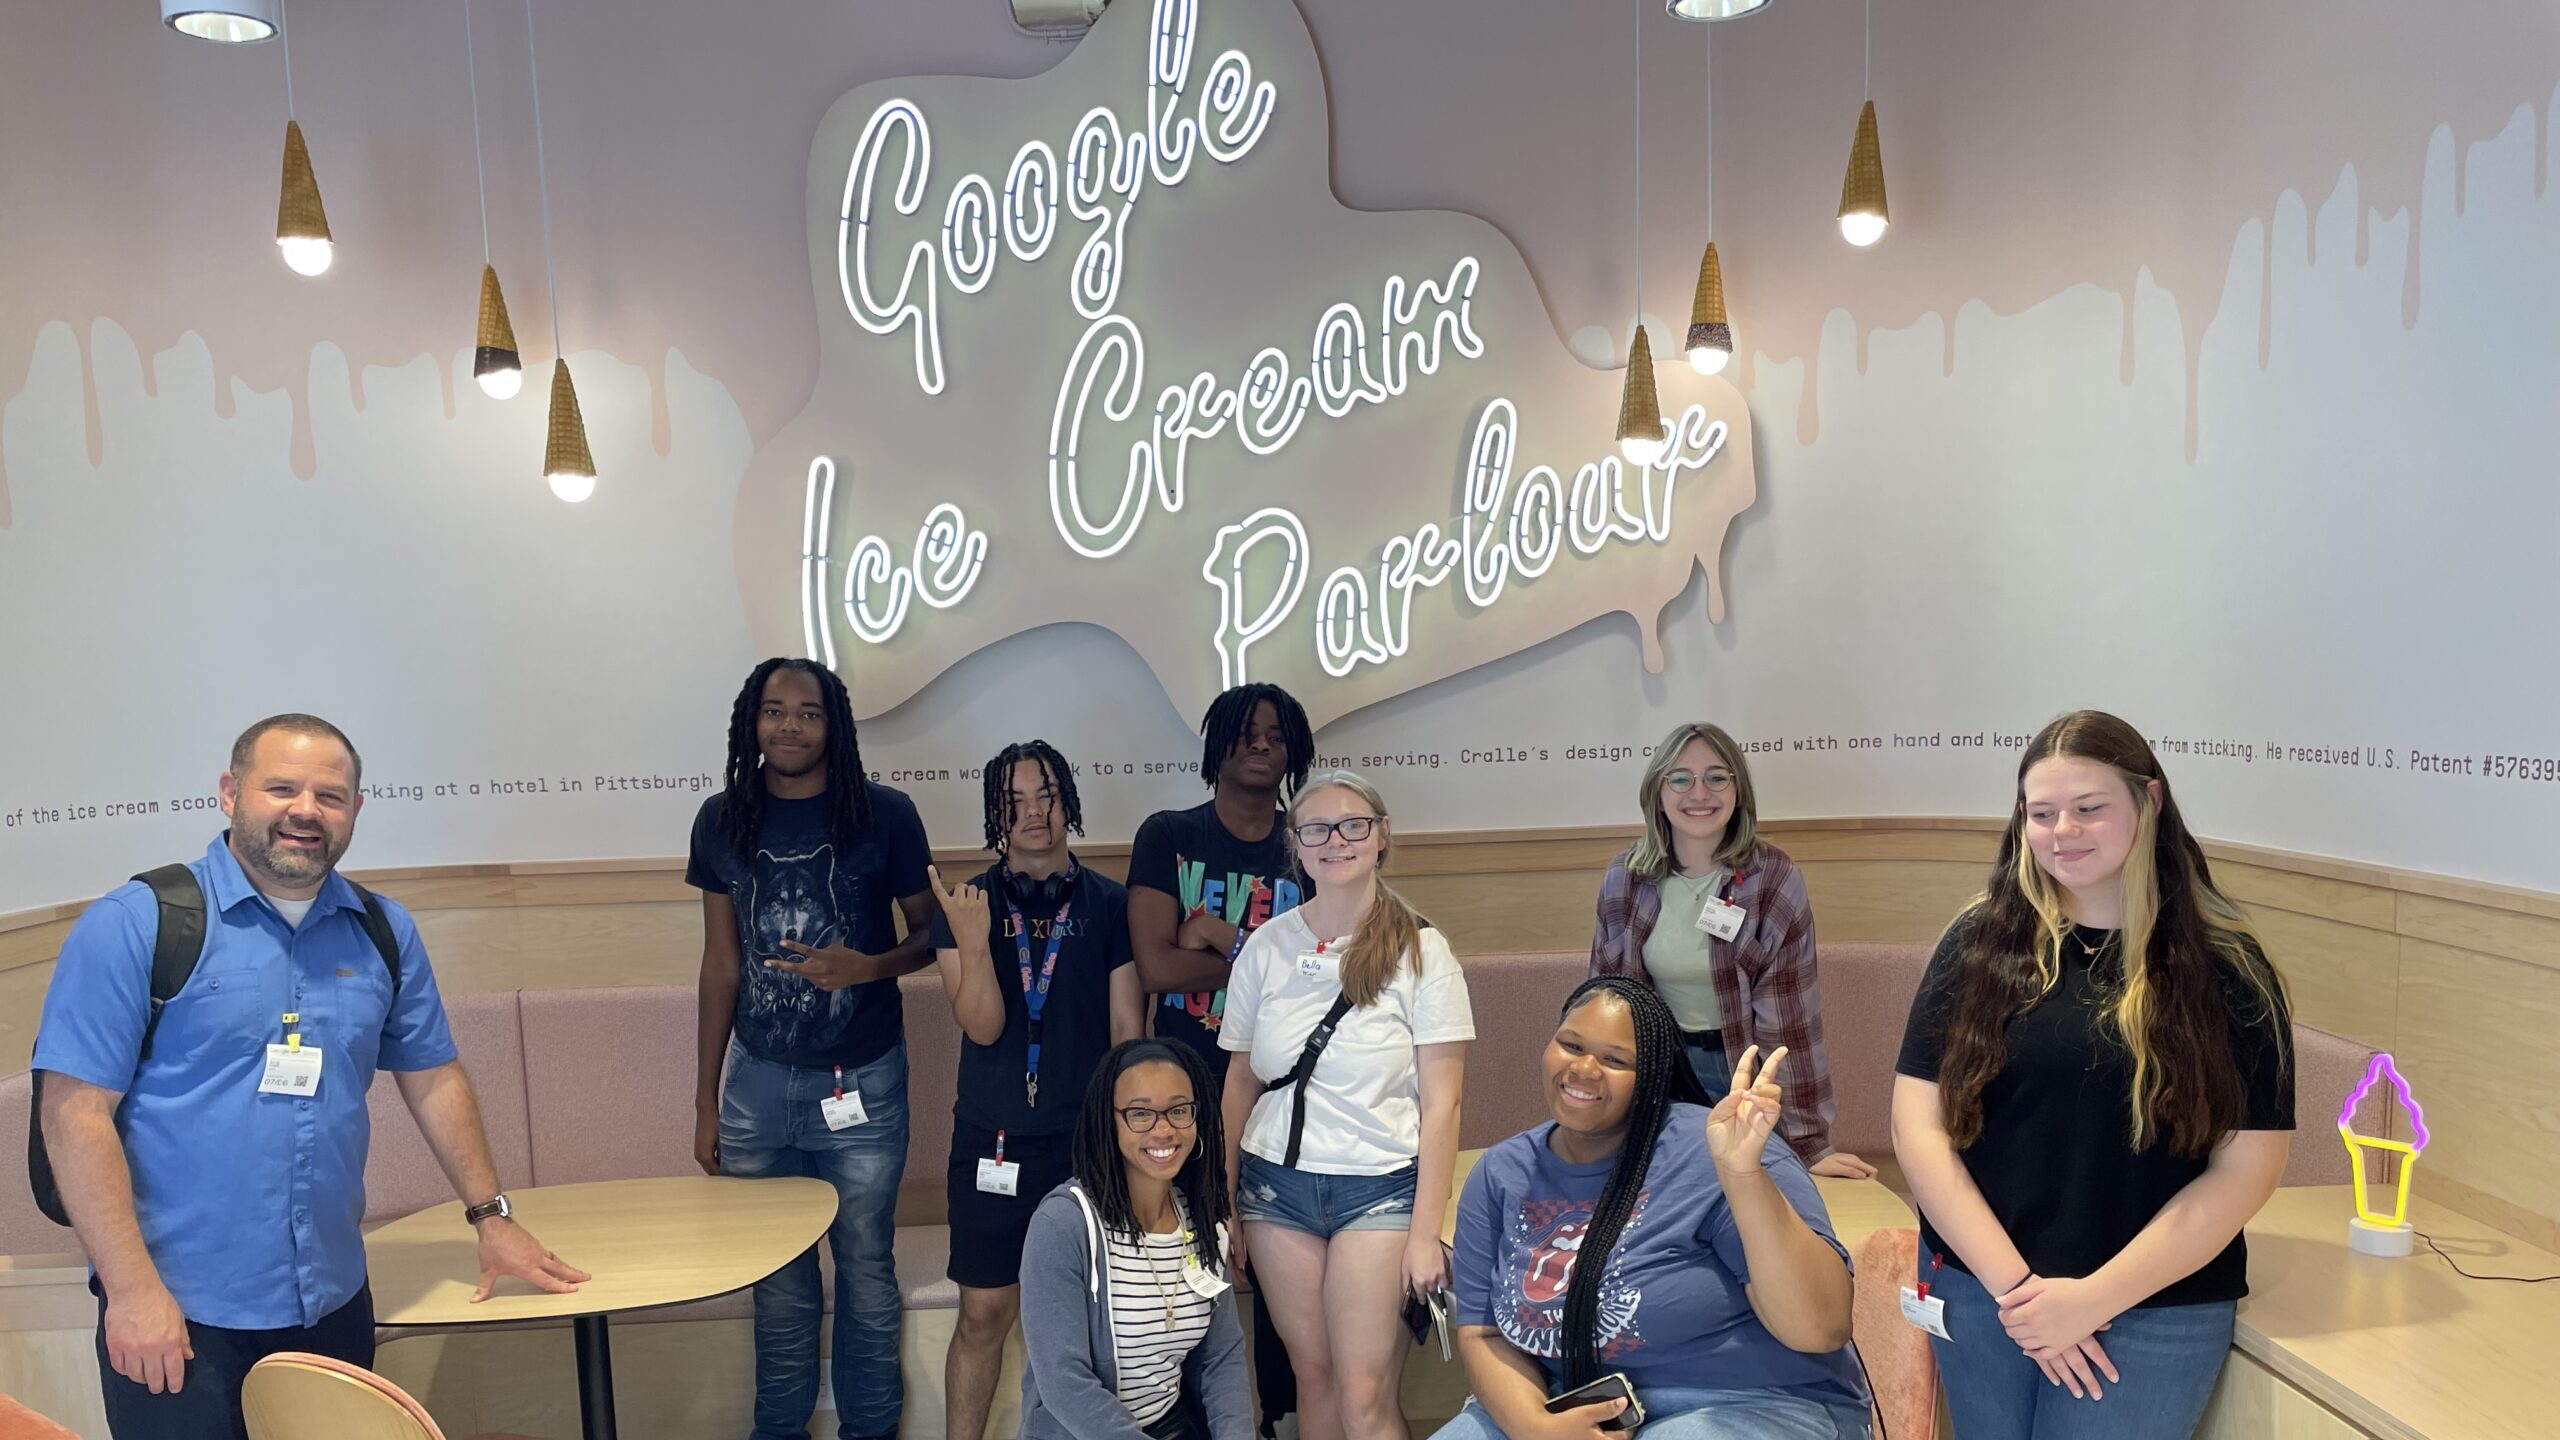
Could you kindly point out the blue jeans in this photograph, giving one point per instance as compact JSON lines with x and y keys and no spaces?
{"x":1713,"y":1068}
{"x":2169,"y":1358}
{"x":1683,"y":1413}
{"x":770,"y":1125}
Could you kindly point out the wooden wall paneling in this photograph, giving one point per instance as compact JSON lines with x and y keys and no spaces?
{"x":1886,"y":900}
{"x":2343,"y":978}
{"x":21,"y":1005}
{"x":2264,"y":887}
{"x":564,"y":946}
{"x":2476,"y":1043}
{"x":2527,"y":939}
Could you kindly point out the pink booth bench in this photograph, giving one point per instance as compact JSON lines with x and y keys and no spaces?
{"x":597,"y":1084}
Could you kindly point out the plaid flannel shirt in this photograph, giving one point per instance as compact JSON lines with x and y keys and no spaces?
{"x":1764,"y":979}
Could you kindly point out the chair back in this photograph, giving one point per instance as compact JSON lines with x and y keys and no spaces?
{"x":17,"y":1422}
{"x":1900,"y":1365}
{"x":293,"y":1396}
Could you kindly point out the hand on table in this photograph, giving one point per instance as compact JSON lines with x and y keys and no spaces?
{"x":507,"y":1248}
{"x":706,"y":1141}
{"x":1841,"y":1165}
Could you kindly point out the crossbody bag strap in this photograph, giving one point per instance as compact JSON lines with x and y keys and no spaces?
{"x":1305,"y":1069}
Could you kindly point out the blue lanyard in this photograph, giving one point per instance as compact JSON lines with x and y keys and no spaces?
{"x":1035,"y":996}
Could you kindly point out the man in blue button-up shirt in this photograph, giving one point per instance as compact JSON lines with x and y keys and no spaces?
{"x":218,"y":1184}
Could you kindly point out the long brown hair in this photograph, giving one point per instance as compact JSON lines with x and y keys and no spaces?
{"x":1652,"y":858}
{"x":1389,"y":936}
{"x":2169,"y":1007}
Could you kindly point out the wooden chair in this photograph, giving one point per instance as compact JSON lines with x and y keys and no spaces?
{"x":1900,"y":1365}
{"x":293,"y":1396}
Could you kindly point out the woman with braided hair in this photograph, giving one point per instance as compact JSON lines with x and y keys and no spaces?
{"x":1639,"y":1233}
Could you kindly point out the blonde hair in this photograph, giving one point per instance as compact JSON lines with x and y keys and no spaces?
{"x":1389,"y":935}
{"x":1653,"y":856}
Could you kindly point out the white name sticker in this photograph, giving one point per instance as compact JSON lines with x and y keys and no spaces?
{"x":999,"y":1177}
{"x":843,"y":1111}
{"x":1720,"y":918}
{"x":291,"y":1070}
{"x":1927,"y":1312}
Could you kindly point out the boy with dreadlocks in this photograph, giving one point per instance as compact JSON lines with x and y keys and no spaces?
{"x":1200,"y":880}
{"x":1034,"y":953}
{"x":799,"y":860}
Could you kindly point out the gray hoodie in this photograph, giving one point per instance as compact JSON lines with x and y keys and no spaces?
{"x":1071,"y":1386}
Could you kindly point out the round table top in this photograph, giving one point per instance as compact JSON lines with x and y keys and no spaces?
{"x":661,"y":1241}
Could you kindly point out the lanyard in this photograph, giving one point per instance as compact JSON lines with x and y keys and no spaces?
{"x":1922,"y":1289}
{"x":839,"y":1082}
{"x":1035,"y":995}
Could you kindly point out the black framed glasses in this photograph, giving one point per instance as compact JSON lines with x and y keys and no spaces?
{"x":1354,"y":828}
{"x":1714,"y":778}
{"x":1140,"y":1119}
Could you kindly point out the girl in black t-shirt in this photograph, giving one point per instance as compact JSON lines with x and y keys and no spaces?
{"x":2095,"y":1096}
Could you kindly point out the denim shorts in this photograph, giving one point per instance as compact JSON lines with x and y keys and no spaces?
{"x":1323,"y":1205}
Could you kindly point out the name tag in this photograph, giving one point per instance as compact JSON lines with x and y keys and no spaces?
{"x":844,"y":1111}
{"x":1311,"y":966}
{"x":291,"y":1070}
{"x":1202,"y":1283}
{"x":1927,"y":1312}
{"x":999,"y":1177}
{"x":1720,"y":918}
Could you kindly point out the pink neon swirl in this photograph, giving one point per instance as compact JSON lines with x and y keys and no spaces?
{"x":2382,"y":1064}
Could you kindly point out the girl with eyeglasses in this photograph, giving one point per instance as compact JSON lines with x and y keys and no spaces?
{"x":1715,"y":919}
{"x":1128,"y":1306}
{"x":1354,"y":1017}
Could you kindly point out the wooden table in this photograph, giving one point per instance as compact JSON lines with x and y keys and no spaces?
{"x":1857,"y":1206}
{"x":647,"y":1242}
{"x":2401,"y":1348}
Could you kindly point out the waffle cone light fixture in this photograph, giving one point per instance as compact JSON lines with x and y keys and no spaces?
{"x":302,"y":226}
{"x":1710,"y":331}
{"x":1640,"y":408}
{"x":566,"y":462}
{"x":1862,"y":213}
{"x":495,"y":363}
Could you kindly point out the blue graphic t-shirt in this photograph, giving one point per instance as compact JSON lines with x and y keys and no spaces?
{"x":802,"y":885}
{"x":1189,"y":855}
{"x":1672,"y":1309}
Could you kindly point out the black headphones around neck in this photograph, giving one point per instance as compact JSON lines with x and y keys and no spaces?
{"x":1050,"y":890}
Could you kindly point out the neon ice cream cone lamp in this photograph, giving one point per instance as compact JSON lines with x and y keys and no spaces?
{"x":2374,"y":1232}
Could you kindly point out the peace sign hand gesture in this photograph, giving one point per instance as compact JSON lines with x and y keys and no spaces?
{"x":965,"y":906}
{"x":1738,"y":1129}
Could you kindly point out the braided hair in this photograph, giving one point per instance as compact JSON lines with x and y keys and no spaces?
{"x":1663,"y":1079}
{"x":1230,"y":717}
{"x":1095,"y":1160}
{"x":999,"y":788}
{"x":742,"y":803}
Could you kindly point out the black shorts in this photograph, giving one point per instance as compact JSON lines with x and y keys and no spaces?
{"x":987,"y":1230}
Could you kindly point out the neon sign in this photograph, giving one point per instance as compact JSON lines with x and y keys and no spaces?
{"x":2382,"y":1064}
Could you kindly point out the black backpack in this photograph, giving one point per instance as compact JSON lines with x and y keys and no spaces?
{"x":173,"y":958}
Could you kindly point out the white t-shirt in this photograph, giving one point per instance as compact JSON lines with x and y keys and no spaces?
{"x":1364,"y":1102}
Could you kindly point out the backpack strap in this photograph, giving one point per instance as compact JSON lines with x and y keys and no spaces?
{"x":1305,"y":1069}
{"x":377,"y":928}
{"x":180,"y":941}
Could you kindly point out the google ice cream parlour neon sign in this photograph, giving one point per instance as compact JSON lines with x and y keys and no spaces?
{"x":1508,"y":526}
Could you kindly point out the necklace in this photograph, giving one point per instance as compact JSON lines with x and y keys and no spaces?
{"x":1147,"y":1251}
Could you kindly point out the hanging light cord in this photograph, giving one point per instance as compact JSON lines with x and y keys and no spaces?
{"x":1867,"y":62}
{"x":285,"y":34}
{"x":542,"y":181}
{"x":1640,"y":4}
{"x":479,"y":170}
{"x":1710,"y":47}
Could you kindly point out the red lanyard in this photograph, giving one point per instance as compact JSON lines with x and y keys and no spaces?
{"x":839,"y":1082}
{"x":1935,"y":1261}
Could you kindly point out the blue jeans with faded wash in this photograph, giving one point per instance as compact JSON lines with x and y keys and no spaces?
{"x":770,"y":1125}
{"x":2169,"y":1358}
{"x":1684,"y":1413}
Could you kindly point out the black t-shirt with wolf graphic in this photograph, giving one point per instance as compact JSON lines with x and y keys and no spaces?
{"x":802,"y":885}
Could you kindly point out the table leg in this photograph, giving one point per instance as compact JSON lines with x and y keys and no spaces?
{"x":595,"y":1377}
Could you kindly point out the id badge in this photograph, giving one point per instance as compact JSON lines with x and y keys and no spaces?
{"x":1929,"y":1312}
{"x":999,"y":1177}
{"x":1720,"y":918}
{"x":843,"y":1111}
{"x":291,"y":1070}
{"x":1311,"y":965}
{"x":1202,"y":1283}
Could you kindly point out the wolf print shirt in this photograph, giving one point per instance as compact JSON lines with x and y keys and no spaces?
{"x":804,"y":883}
{"x":1672,"y":1308}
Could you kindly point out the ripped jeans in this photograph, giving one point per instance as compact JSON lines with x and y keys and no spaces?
{"x":1323,"y":1205}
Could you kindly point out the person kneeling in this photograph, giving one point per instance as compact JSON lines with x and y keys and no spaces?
{"x":1128,"y":1313}
{"x":1640,"y":1235}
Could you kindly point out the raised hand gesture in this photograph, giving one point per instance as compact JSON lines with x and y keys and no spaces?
{"x":965,"y":906}
{"x":1738,"y":1129}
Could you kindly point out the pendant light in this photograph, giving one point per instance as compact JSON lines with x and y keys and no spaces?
{"x":302,"y":227}
{"x":1713,"y":9}
{"x":1710,"y":343}
{"x":225,"y":22}
{"x":566,"y":462}
{"x":1862,"y":212}
{"x":494,"y":361}
{"x":1639,"y":407}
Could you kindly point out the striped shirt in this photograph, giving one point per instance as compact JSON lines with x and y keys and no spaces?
{"x":1145,"y":1285}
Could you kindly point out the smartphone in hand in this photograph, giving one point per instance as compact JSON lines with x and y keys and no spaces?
{"x":1606,"y":1388}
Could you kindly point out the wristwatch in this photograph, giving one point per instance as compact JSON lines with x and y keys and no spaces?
{"x":496,"y":1208}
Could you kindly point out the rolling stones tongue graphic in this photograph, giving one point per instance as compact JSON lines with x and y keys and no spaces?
{"x":1551,"y":1262}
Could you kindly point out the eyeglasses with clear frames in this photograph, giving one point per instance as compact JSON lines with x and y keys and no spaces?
{"x":1141,"y":1119}
{"x":1717,"y":778}
{"x":1354,"y":828}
